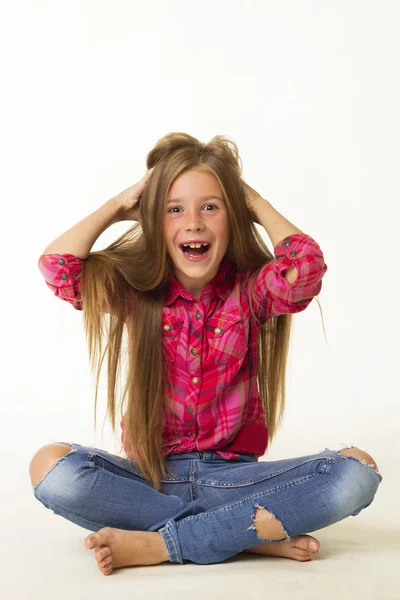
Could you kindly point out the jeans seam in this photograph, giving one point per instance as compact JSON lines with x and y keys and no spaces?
{"x":251,"y":497}
{"x":252,"y":481}
{"x":170,"y":543}
{"x":63,"y":512}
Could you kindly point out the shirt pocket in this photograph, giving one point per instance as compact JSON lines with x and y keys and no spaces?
{"x":226,"y":337}
{"x":171,"y":334}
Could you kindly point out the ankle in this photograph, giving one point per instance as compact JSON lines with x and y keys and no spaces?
{"x":158,"y":547}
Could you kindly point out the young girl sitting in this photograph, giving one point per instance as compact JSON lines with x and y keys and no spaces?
{"x":207,"y":313}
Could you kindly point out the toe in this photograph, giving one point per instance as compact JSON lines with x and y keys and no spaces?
{"x":304,"y":542}
{"x":90,"y":541}
{"x":303,"y":555}
{"x":302,"y":552}
{"x":101,"y":553}
{"x":103,"y":566}
{"x":105,"y":569}
{"x":99,"y":538}
{"x":106,"y":562}
{"x":314,"y":546}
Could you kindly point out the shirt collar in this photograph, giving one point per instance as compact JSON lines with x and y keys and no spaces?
{"x":221,"y":285}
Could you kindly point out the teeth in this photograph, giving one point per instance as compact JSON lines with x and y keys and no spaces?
{"x":194,"y":245}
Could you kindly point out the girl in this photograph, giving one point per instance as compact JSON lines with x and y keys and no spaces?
{"x":208,"y":312}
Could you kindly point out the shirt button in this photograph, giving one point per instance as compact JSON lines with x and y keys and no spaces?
{"x":287,"y":243}
{"x":198,"y":315}
{"x":166,"y":327}
{"x":190,"y":410}
{"x":217,"y":330}
{"x":193,"y":351}
{"x":293,"y":253}
{"x":61,"y":261}
{"x":64,"y":276}
{"x":195,"y":380}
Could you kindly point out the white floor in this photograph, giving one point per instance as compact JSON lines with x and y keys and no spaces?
{"x":43,"y":557}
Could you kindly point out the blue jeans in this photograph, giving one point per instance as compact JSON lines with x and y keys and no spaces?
{"x":205,"y":511}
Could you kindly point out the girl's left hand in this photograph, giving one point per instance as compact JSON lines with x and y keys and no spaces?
{"x":251,"y":197}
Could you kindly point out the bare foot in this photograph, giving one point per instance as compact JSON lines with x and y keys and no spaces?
{"x":296,"y":548}
{"x":116,"y":548}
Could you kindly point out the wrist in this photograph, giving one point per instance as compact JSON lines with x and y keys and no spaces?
{"x":256,"y":202}
{"x":115,"y":205}
{"x":254,"y":205}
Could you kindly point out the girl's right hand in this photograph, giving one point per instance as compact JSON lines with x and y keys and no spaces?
{"x":129,"y":199}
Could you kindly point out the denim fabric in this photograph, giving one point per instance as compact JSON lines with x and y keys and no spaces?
{"x":205,"y":511}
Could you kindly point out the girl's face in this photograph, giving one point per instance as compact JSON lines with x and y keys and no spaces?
{"x":195,"y":210}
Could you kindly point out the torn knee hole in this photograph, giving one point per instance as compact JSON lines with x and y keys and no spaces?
{"x":373,"y":465}
{"x":267,"y":526}
{"x":361,"y":460}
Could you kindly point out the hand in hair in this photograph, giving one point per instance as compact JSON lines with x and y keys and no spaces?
{"x":251,"y":197}
{"x":130,"y":199}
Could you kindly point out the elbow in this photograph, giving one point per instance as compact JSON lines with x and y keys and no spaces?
{"x":291,"y":275}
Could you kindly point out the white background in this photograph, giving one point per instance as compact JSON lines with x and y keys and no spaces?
{"x":309,"y":91}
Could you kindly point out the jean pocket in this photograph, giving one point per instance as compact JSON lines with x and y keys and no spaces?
{"x":100,"y":458}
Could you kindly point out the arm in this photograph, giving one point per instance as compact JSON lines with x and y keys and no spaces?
{"x":79,"y":239}
{"x":273,"y":222}
{"x":289,"y":283}
{"x":277,"y":228}
{"x":61,"y":262}
{"x":273,"y":294}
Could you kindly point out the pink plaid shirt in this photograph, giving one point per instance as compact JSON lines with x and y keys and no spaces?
{"x":212,"y":348}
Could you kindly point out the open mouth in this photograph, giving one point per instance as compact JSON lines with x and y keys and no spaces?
{"x":195,"y":252}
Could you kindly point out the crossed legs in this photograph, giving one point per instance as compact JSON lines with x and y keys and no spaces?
{"x":266,"y":525}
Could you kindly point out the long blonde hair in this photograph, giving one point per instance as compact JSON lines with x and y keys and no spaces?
{"x":131,"y":275}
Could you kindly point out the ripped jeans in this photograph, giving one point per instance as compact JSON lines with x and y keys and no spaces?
{"x":206,"y":510}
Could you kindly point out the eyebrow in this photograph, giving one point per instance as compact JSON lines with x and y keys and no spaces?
{"x":208,"y":197}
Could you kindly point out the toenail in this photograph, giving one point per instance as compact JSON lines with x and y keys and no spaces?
{"x":313,"y":545}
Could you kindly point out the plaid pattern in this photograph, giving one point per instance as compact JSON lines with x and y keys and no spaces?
{"x":211,"y":345}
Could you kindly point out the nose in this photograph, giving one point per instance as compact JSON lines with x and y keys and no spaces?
{"x":193,"y":222}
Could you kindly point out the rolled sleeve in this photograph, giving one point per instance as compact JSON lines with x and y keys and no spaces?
{"x":273,"y":295}
{"x":61,"y":273}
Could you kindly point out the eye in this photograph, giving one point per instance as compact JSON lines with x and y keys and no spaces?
{"x":177,"y":207}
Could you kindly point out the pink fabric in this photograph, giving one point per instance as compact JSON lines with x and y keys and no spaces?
{"x":211,"y":345}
